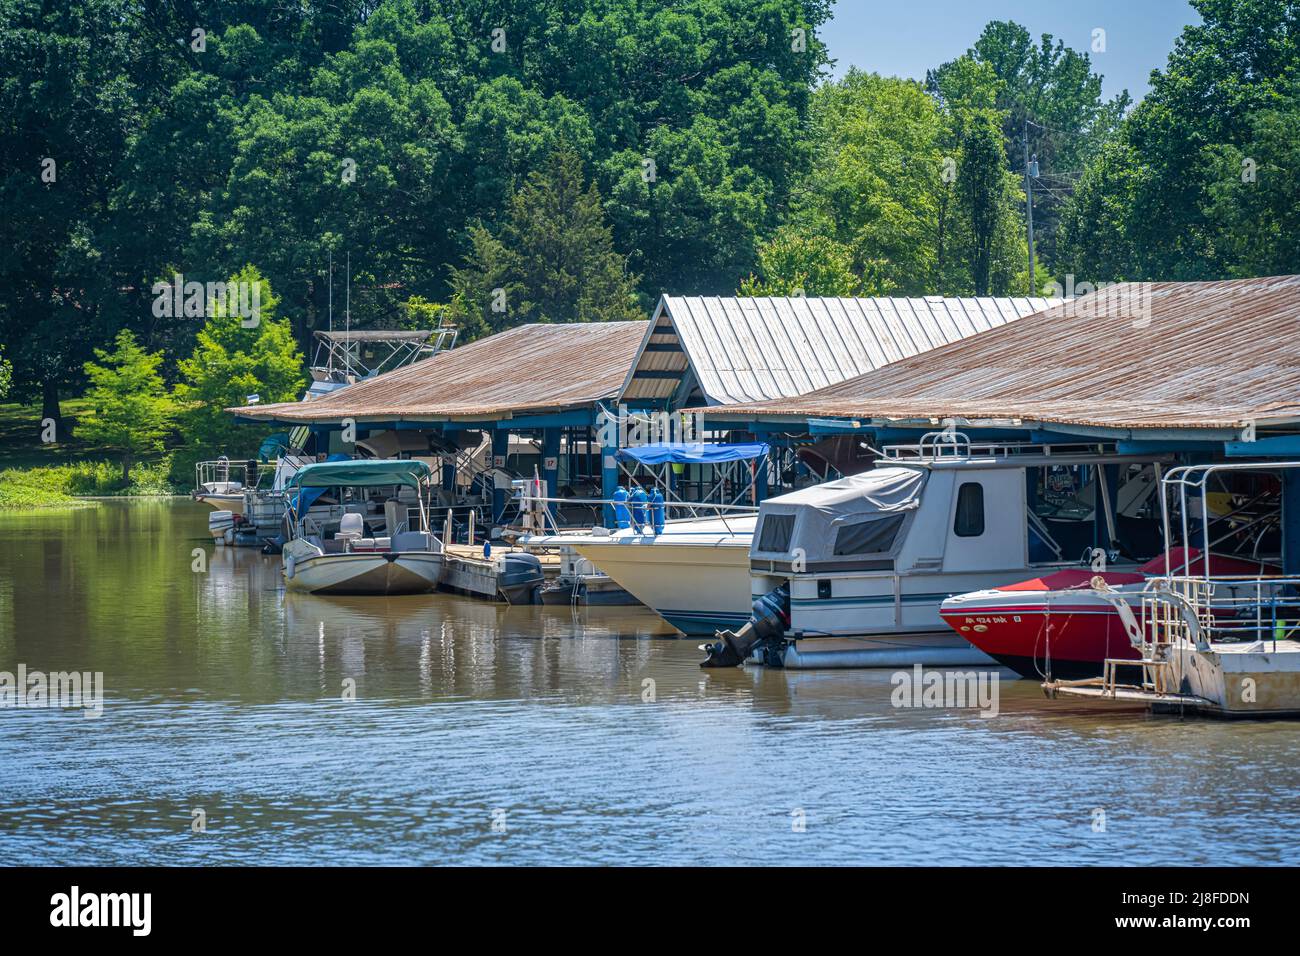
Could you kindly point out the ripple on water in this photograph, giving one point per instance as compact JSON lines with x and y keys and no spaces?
{"x":489,"y":735}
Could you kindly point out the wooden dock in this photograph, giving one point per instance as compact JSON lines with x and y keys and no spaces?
{"x":468,"y":572}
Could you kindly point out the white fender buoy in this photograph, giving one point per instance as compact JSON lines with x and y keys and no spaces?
{"x":289,"y":566}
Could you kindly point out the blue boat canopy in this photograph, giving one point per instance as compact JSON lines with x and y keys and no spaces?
{"x":693,"y":453}
{"x":384,"y":471}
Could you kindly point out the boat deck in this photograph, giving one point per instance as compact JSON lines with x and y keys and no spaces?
{"x":468,"y":572}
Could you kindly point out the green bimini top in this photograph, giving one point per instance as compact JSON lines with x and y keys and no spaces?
{"x":383,"y":471}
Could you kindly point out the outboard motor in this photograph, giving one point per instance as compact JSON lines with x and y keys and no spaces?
{"x":770,"y":619}
{"x":521,"y":579}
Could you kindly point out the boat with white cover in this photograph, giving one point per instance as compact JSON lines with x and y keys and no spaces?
{"x":405,"y":559}
{"x":851,"y":573}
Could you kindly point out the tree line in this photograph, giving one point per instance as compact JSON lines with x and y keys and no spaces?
{"x":571,"y":160}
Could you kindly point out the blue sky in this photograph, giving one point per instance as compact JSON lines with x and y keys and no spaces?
{"x":906,"y":37}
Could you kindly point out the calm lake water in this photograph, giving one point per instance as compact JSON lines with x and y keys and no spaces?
{"x":491,"y":735}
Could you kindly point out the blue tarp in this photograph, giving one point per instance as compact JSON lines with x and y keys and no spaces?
{"x":303,"y":498}
{"x":693,"y":453}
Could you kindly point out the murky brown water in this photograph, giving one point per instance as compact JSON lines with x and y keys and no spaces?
{"x":484,"y":734}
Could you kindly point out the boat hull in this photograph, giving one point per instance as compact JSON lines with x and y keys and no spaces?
{"x":597,"y":593}
{"x":697,"y":588}
{"x":225,"y":501}
{"x":376,"y":574}
{"x":1069,"y":638}
{"x":933,"y":649}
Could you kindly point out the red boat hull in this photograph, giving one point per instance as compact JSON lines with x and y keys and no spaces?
{"x":1055,"y":625}
{"x":1070,"y":643}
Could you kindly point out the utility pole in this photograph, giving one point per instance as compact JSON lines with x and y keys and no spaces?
{"x":1031,"y":170}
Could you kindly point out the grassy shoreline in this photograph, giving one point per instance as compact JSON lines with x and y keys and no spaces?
{"x":64,"y":474}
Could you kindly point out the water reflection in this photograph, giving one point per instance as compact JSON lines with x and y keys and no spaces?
{"x":593,"y":730}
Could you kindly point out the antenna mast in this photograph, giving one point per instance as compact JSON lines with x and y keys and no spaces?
{"x":347,"y":318}
{"x":331,"y":312}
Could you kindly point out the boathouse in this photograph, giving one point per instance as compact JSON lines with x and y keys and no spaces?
{"x":536,"y":396}
{"x":709,"y":353}
{"x":1204,"y":371}
{"x":463,"y":405}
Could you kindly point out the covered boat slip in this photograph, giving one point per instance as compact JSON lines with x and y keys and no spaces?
{"x":406,"y":560}
{"x":1202,"y":641}
{"x":560,"y":401}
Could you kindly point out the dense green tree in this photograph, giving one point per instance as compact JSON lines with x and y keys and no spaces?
{"x":790,"y":264}
{"x":1199,"y":185}
{"x":914,"y":184}
{"x":877,"y":179}
{"x":981,"y":178}
{"x":388,"y":128}
{"x":235,"y":357}
{"x":552,"y":259}
{"x":1047,"y":96}
{"x":131,"y":411}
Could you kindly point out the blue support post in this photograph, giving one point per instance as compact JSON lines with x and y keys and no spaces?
{"x":500,"y":448}
{"x":1291,"y":521}
{"x":760,"y":478}
{"x":607,"y":435}
{"x":551,"y":460}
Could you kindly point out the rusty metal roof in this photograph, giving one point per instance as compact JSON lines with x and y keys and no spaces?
{"x":741,"y":349}
{"x":1192,"y":355}
{"x":531,"y":368}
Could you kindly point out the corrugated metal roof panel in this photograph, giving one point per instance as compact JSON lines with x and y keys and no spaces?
{"x":759,"y":349}
{"x":1167,"y":354}
{"x":528,"y":368}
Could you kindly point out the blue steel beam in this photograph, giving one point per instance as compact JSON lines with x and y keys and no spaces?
{"x":1276,"y":446}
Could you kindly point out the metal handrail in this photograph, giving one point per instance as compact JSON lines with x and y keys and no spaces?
{"x":1226,"y":608}
{"x":680,"y":505}
{"x":1197,"y":477}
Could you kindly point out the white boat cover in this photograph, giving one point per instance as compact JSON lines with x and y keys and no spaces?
{"x":858,"y":515}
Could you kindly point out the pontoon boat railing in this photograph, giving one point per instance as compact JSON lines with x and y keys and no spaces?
{"x":691,"y":506}
{"x":220,"y":470}
{"x":1227,"y":609}
{"x":957,"y":446}
{"x":1196,"y":478}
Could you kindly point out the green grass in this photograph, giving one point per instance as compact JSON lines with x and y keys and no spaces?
{"x":36,"y":474}
{"x":16,"y":495}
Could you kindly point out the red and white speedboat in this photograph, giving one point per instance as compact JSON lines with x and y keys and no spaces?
{"x":1060,"y":623}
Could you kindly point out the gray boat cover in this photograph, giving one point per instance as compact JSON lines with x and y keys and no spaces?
{"x":850,"y":516}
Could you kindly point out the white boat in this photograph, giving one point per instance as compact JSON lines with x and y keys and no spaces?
{"x":221,"y":484}
{"x":695,"y":574}
{"x":852,"y":573}
{"x":354,"y":560}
